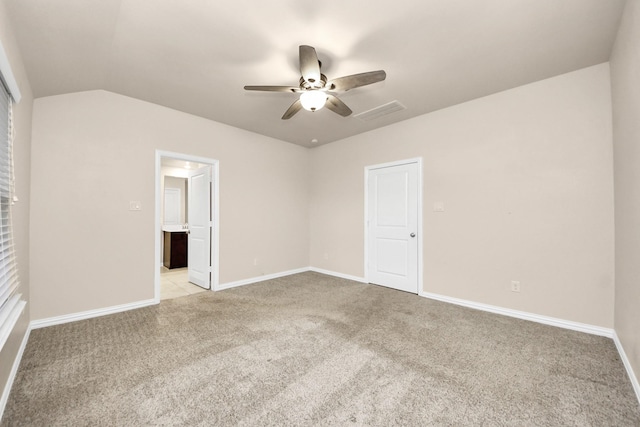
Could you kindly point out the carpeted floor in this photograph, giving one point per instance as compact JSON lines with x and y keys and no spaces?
{"x":311,"y":350}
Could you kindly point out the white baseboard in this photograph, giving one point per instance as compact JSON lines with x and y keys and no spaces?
{"x":560,"y":323}
{"x":336,"y":274}
{"x":251,"y":280}
{"x":625,"y":361}
{"x":287,"y":273}
{"x":14,"y":370}
{"x":58,"y":320}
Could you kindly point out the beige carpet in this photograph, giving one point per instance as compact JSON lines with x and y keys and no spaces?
{"x":311,"y":350}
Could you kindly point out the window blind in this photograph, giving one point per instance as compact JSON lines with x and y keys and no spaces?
{"x":11,"y":305}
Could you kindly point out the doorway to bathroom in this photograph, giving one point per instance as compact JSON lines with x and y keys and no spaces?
{"x":186,"y":224}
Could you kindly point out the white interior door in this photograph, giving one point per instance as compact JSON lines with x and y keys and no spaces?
{"x":392,"y":207}
{"x":200,"y":223}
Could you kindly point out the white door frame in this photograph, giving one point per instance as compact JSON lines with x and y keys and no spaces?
{"x":215,"y":238}
{"x":418,"y":162}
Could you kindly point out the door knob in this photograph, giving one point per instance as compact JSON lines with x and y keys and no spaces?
{"x":412,"y":234}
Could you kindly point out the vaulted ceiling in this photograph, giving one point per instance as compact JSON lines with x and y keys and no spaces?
{"x":195,"y":56}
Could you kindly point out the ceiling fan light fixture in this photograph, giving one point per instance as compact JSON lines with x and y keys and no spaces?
{"x":314,"y":88}
{"x":313,"y":100}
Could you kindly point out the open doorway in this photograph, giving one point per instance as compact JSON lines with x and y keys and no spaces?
{"x":186,"y":224}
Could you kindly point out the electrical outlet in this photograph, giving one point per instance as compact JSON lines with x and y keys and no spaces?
{"x":515,"y":286}
{"x":255,"y":261}
{"x":135,"y":205}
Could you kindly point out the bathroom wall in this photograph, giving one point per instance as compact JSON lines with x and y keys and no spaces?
{"x":179,"y":184}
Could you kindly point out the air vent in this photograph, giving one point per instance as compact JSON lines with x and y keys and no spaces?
{"x":382,"y":110}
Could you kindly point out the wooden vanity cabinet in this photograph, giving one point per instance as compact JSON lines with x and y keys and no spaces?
{"x":175,"y":249}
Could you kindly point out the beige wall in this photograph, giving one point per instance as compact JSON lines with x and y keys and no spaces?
{"x":525,"y":175}
{"x":527,"y":182}
{"x":625,"y":83}
{"x":22,"y":153}
{"x":89,"y":251}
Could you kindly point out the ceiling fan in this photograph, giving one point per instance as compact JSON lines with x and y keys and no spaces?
{"x":314,"y":88}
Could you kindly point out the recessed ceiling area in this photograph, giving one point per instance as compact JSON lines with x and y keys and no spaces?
{"x":197,"y":56}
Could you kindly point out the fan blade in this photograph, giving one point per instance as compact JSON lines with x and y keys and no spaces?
{"x":337,"y":106}
{"x":343,"y":84}
{"x":273,"y":88}
{"x":309,"y":65}
{"x":295,"y":107}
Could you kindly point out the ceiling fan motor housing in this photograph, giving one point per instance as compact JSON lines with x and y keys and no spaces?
{"x":312,"y":85}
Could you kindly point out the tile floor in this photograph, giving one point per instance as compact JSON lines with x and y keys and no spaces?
{"x":174,"y":283}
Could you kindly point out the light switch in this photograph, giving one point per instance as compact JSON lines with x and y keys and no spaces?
{"x":438,"y":207}
{"x":135,"y":205}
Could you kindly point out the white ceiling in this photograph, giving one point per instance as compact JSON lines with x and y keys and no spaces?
{"x":195,"y":56}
